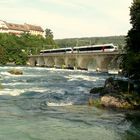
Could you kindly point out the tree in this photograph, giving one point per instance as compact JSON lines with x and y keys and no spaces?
{"x":49,"y":39}
{"x":3,"y":58}
{"x":131,"y":61}
{"x":48,"y":33}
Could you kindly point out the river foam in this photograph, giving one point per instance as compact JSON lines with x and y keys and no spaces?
{"x":59,"y":104}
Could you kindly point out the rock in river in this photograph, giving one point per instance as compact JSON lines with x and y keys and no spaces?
{"x":15,"y":71}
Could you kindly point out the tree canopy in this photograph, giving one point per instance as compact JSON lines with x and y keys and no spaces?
{"x":17,"y":48}
{"x":131,"y":63}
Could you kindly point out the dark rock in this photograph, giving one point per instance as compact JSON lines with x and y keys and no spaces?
{"x":96,"y":90}
{"x":115,"y":86}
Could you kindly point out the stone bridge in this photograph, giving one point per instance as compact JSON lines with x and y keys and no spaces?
{"x":98,"y":61}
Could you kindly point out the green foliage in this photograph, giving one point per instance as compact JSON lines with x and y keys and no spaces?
{"x":49,"y":39}
{"x":131,"y":64}
{"x":71,"y":42}
{"x":135,"y":14}
{"x":94,"y":102}
{"x":17,"y":48}
{"x":3,"y":58}
{"x":131,"y":61}
{"x":48,"y":33}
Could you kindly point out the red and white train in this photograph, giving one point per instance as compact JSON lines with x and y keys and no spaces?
{"x":82,"y":49}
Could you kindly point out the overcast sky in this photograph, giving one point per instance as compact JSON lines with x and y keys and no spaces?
{"x":70,"y":18}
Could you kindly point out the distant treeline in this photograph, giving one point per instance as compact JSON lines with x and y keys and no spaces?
{"x":71,"y":42}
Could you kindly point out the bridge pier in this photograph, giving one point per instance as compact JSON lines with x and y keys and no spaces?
{"x":82,"y":62}
{"x":92,"y":64}
{"x":100,"y":63}
{"x":49,"y":61}
{"x":70,"y":62}
{"x":40,"y":61}
{"x":32,"y":61}
{"x":59,"y":62}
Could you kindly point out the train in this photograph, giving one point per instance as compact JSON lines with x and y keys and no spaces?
{"x":82,"y":49}
{"x":58,"y":50}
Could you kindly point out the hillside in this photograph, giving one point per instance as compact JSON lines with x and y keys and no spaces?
{"x":71,"y":42}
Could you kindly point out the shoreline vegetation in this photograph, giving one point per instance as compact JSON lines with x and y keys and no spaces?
{"x":116,"y":93}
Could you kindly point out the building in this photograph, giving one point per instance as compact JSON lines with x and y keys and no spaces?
{"x":18,"y":29}
{"x":34,"y":30}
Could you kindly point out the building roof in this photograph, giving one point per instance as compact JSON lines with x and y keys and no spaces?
{"x":33,"y":27}
{"x":18,"y":27}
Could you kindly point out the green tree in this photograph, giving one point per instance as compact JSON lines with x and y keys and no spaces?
{"x":48,"y":33}
{"x":131,"y":61}
{"x":17,"y":48}
{"x":3,"y":58}
{"x":49,"y":39}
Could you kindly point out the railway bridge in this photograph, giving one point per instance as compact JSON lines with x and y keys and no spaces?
{"x":102,"y":61}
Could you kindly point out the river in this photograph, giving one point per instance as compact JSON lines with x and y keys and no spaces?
{"x":51,"y":104}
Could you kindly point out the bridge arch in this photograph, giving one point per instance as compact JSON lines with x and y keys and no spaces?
{"x":70,"y":62}
{"x":39,"y":61}
{"x":59,"y":62}
{"x":49,"y":61}
{"x":92,"y":64}
{"x":32,"y":61}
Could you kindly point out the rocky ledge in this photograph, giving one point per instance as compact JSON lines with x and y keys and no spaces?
{"x":117,"y":94}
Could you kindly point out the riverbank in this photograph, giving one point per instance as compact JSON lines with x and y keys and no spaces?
{"x":116,"y":93}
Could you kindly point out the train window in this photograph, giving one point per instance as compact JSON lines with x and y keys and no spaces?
{"x":108,"y":47}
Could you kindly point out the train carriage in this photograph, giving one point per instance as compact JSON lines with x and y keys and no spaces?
{"x":82,"y":49}
{"x":96,"y":48}
{"x":58,"y":50}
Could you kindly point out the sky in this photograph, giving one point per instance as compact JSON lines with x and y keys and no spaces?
{"x":70,"y":18}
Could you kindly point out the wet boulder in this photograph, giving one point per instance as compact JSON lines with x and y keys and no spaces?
{"x":96,"y":90}
{"x":117,"y":87}
{"x":15,"y":71}
{"x":111,"y":101}
{"x":111,"y":86}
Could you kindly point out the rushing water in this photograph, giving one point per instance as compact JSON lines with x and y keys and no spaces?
{"x":48,"y":104}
